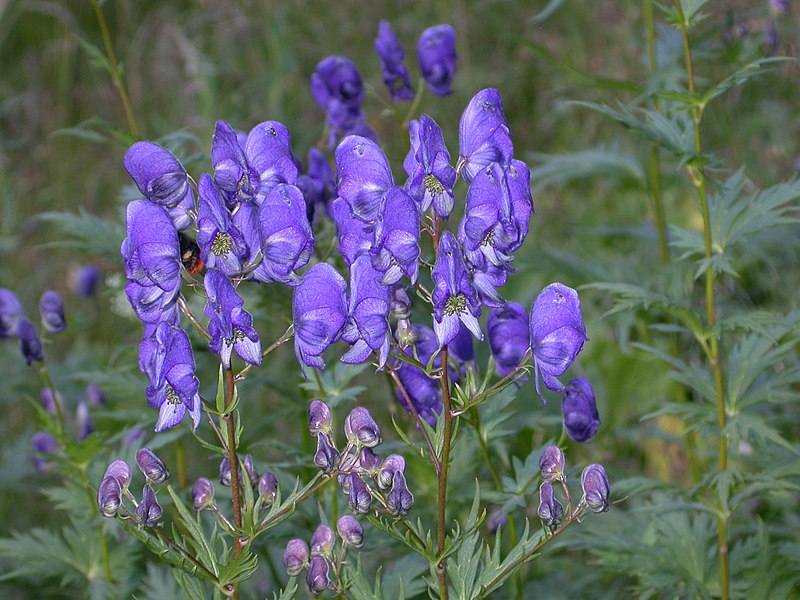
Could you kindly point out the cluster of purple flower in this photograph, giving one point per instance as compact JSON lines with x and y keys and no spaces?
{"x":14,"y":323}
{"x":114,"y":488}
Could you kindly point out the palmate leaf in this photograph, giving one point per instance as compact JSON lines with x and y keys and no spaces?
{"x":743,"y":75}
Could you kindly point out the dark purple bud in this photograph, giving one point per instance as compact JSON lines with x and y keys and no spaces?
{"x":483,"y":135}
{"x":43,"y":442}
{"x":29,"y":343}
{"x":509,"y":336}
{"x":225,"y":476}
{"x":436,"y":52}
{"x":317,"y":577}
{"x":295,"y":557}
{"x":336,"y":84}
{"x":350,"y":531}
{"x":395,"y":74}
{"x":550,"y":509}
{"x":368,"y":461}
{"x":247,"y":463}
{"x":401,"y":303}
{"x":121,"y":471}
{"x":557,"y":333}
{"x":327,"y":456}
{"x":149,"y":510}
{"x":85,"y":281}
{"x":551,"y":464}
{"x":359,"y":498}
{"x":322,"y":541}
{"x":595,"y":488}
{"x":51,"y":309}
{"x":399,"y":498}
{"x":319,"y":417}
{"x":344,"y":483}
{"x":267,"y":488}
{"x":496,"y":520}
{"x":10,"y":313}
{"x":202,"y":494}
{"x":392,"y":464}
{"x":155,"y":471}
{"x":581,"y":418}
{"x":83,"y":420}
{"x":361,"y":429}
{"x":94,"y":395}
{"x":109,"y":496}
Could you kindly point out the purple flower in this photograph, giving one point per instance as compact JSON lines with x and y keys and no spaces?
{"x":581,"y":419}
{"x":395,"y":247}
{"x":780,"y":7}
{"x":364,"y":175}
{"x":550,"y":509}
{"x":232,"y":171}
{"x":483,"y":135}
{"x":10,"y":313}
{"x":509,"y":336}
{"x":350,"y":531}
{"x":29,"y":343}
{"x":361,"y":429}
{"x":86,"y":279}
{"x":149,"y":510}
{"x":436,"y":52}
{"x":487,"y":278}
{"x":551,"y":464}
{"x":391,"y":465}
{"x":319,"y":312}
{"x":119,"y":470}
{"x":249,"y":469}
{"x":430,"y":176}
{"x":109,"y":496}
{"x":359,"y":497}
{"x":43,"y":442}
{"x":353,"y":234}
{"x":154,"y":469}
{"x":230,"y":326}
{"x":83,"y":420}
{"x":557,"y":333}
{"x":454,"y":298}
{"x":399,"y":499}
{"x":368,"y":461}
{"x":336,"y":82}
{"x":461,"y":347}
{"x":162,"y":179}
{"x":395,"y":74}
{"x":295,"y":557}
{"x":222,"y":245}
{"x":317,"y":184}
{"x":225,"y":473}
{"x":322,"y":541}
{"x":49,"y":401}
{"x":326,"y":456}
{"x":269,"y":153}
{"x":267,"y":488}
{"x":202,"y":494}
{"x":367,"y":329}
{"x":595,"y":488}
{"x":319,"y":417}
{"x":317,"y":578}
{"x":94,"y":395}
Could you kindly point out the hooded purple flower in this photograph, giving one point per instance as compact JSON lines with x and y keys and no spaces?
{"x":430,"y":176}
{"x":317,"y":183}
{"x":509,"y":336}
{"x":317,"y":577}
{"x":581,"y":418}
{"x":594,"y":483}
{"x":483,"y":135}
{"x":295,"y":557}
{"x":353,"y":234}
{"x":319,"y":313}
{"x":364,"y":175}
{"x":395,"y":74}
{"x":230,"y":326}
{"x":51,"y":309}
{"x":162,"y":179}
{"x":454,"y":298}
{"x":109,"y":496}
{"x":85,"y":281}
{"x":395,"y":246}
{"x":550,"y":509}
{"x":399,"y":499}
{"x":10,"y":313}
{"x":336,"y":81}
{"x":436,"y":52}
{"x":222,"y":246}
{"x":367,"y":329}
{"x":350,"y":530}
{"x":29,"y":343}
{"x":486,"y":278}
{"x":149,"y":510}
{"x":232,"y":172}
{"x":557,"y":333}
{"x":151,"y":466}
{"x":269,"y":154}
{"x":173,"y":386}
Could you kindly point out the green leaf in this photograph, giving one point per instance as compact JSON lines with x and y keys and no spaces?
{"x":289,"y":592}
{"x":608,"y":162}
{"x":87,"y":232}
{"x":197,"y":538}
{"x":743,"y":75}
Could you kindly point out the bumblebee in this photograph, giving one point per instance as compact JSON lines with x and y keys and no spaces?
{"x":190,"y":254}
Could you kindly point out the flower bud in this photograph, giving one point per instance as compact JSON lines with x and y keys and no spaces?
{"x":322,"y":541}
{"x":400,"y":304}
{"x":225,"y":476}
{"x":51,"y":309}
{"x":94,"y":395}
{"x":359,"y":498}
{"x":202,"y":494}
{"x":326,"y":457}
{"x":155,"y":471}
{"x":399,"y":498}
{"x":83,"y":420}
{"x":49,"y":402}
{"x":29,"y":344}
{"x":267,"y":488}
{"x":497,"y":519}
{"x":595,"y":488}
{"x":368,"y":461}
{"x":10,"y":313}
{"x":43,"y":442}
{"x":551,"y":464}
{"x":406,"y":334}
{"x":109,"y":496}
{"x":361,"y":429}
{"x":319,"y":417}
{"x":249,"y":469}
{"x":121,"y":471}
{"x":295,"y":557}
{"x":393,"y":462}
{"x":350,"y":531}
{"x":149,"y":510}
{"x":85,"y":281}
{"x":550,"y":509}
{"x":581,"y":419}
{"x":317,"y":577}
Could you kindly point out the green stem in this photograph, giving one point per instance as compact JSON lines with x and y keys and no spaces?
{"x":315,"y":484}
{"x":410,"y":404}
{"x":415,"y":103}
{"x":698,"y":177}
{"x":233,"y":459}
{"x":441,"y":504}
{"x":59,"y":410}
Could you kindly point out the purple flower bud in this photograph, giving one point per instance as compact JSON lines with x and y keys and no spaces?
{"x":295,"y":557}
{"x":395,"y":74}
{"x":436,"y":52}
{"x":49,"y":402}
{"x":550,"y":509}
{"x":361,"y":429}
{"x":157,"y":173}
{"x":327,"y":456}
{"x":267,"y":488}
{"x":319,"y":417}
{"x":94,"y":395}
{"x":350,"y":531}
{"x":551,"y":464}
{"x":121,"y":471}
{"x":595,"y":488}
{"x":401,"y":303}
{"x":83,"y":420}
{"x":85,"y":281}
{"x":149,"y":510}
{"x":392,"y":464}
{"x":155,"y":471}
{"x":247,"y":463}
{"x":344,"y":483}
{"x":10,"y":313}
{"x":43,"y":442}
{"x":29,"y":343}
{"x":360,"y":498}
{"x":368,"y":461}
{"x":399,"y":498}
{"x":51,"y":309}
{"x":557,"y":333}
{"x":225,"y":476}
{"x":509,"y":336}
{"x":202,"y":494}
{"x":322,"y":541}
{"x":317,"y":578}
{"x":109,"y":496}
{"x":497,"y":519}
{"x":395,"y":245}
{"x":581,"y":418}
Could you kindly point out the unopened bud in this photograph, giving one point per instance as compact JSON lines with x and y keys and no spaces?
{"x":225,"y":476}
{"x":250,"y":470}
{"x":121,"y":471}
{"x":84,"y":421}
{"x":360,"y":498}
{"x":267,"y":488}
{"x":393,"y":462}
{"x":149,"y":510}
{"x":550,"y":509}
{"x":406,"y":334}
{"x":399,"y":498}
{"x":317,"y":578}
{"x":497,"y":519}
{"x":326,"y":457}
{"x":155,"y":471}
{"x":109,"y":496}
{"x":368,"y":461}
{"x":319,"y":417}
{"x":51,"y":309}
{"x":202,"y":494}
{"x":322,"y":541}
{"x":295,"y":557}
{"x":361,"y":429}
{"x":401,"y":303}
{"x":350,"y":531}
{"x":595,"y":488}
{"x":551,"y":464}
